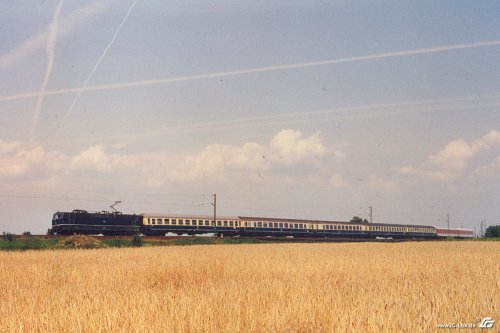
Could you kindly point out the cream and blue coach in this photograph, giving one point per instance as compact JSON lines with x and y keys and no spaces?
{"x":161,"y":224}
{"x":259,"y":226}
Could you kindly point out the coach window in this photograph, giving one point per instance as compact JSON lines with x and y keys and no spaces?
{"x":188,"y":222}
{"x":281,"y":225}
{"x":231,"y":223}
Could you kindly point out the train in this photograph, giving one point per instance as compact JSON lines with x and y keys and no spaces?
{"x":118,"y":224}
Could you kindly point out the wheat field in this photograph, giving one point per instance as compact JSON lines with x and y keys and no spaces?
{"x":365,"y":287}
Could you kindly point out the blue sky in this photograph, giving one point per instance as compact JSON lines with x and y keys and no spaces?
{"x":299,"y":109}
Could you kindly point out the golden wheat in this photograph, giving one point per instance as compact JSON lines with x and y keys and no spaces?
{"x":369,"y":287}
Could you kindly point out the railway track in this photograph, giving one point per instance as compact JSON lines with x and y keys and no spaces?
{"x":270,"y":239}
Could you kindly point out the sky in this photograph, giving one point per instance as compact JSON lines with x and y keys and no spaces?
{"x":295,"y":109}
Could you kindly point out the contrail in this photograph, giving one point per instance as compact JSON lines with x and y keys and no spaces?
{"x":459,"y":103}
{"x":369,"y":57}
{"x":49,"y":49}
{"x":82,"y":89}
{"x":69,"y":23}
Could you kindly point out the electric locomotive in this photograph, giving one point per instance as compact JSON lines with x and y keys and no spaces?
{"x":106,"y":223}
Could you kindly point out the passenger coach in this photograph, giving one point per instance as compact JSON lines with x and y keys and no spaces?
{"x":259,"y":226}
{"x":159,"y":224}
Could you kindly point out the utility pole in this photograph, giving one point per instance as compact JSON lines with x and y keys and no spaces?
{"x":371,"y":214}
{"x":483,"y":226}
{"x":215,"y":209}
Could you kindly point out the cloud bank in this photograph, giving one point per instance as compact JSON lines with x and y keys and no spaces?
{"x":455,"y":158}
{"x":288,"y":149}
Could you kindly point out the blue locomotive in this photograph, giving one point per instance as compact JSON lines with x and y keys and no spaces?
{"x":105,"y":223}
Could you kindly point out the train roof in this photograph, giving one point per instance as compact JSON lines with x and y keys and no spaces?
{"x":190,"y":216}
{"x":274,"y":219}
{"x":401,"y":225}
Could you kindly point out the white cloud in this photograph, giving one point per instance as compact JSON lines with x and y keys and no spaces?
{"x":92,"y":159}
{"x":453,"y":159}
{"x":16,"y":160}
{"x":383,"y":184}
{"x":338,"y":181}
{"x":288,"y":148}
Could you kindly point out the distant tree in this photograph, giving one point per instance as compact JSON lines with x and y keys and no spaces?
{"x":493,"y":231}
{"x":7,"y":236}
{"x":357,"y":219}
{"x":27,"y":233}
{"x":49,"y":232}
